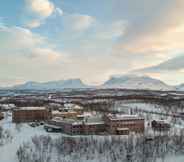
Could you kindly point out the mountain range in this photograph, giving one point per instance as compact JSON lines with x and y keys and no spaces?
{"x":136,"y":82}
{"x":124,"y":82}
{"x":61,"y":84}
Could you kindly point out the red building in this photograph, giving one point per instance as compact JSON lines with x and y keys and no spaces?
{"x":123,"y":124}
{"x":112,"y":124}
{"x":30,"y":114}
{"x":75,"y":127}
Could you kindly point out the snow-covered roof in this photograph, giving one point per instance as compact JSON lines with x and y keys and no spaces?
{"x":122,"y":129}
{"x":85,"y":114}
{"x":52,"y":126}
{"x":62,"y":112}
{"x":162,"y":121}
{"x":57,"y":119}
{"x":72,"y":106}
{"x":123,"y":117}
{"x":94,"y":123}
{"x":66,"y":120}
{"x":31,"y":108}
{"x":88,"y":121}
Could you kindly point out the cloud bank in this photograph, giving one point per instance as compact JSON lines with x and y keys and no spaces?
{"x":60,"y":40}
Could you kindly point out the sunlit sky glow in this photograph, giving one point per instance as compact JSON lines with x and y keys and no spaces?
{"x":43,"y":40}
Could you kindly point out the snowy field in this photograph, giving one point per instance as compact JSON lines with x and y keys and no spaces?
{"x":23,"y":133}
{"x":151,"y":112}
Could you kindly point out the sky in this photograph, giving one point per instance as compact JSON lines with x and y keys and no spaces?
{"x":44,"y":40}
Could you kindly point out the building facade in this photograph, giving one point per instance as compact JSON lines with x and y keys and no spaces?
{"x":30,"y":114}
{"x":160,"y":125}
{"x":1,"y":116}
{"x":111,"y":124}
{"x":67,"y":114}
{"x":73,"y":127}
{"x":123,"y":124}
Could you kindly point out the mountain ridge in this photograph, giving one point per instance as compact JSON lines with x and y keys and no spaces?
{"x":60,"y":84}
{"x":136,"y":82}
{"x":115,"y":81}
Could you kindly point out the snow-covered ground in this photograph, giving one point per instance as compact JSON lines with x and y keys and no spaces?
{"x":149,"y":112}
{"x":21,"y":133}
{"x":172,"y":159}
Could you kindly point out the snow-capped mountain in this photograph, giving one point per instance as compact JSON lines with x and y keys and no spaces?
{"x":136,"y":82}
{"x":180,"y":87}
{"x":124,"y":82}
{"x":61,"y":84}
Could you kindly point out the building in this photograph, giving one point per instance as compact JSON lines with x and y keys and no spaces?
{"x":160,"y":125}
{"x":123,"y":124}
{"x":73,"y":107}
{"x":94,"y":128}
{"x":112,"y":124}
{"x":30,"y":114}
{"x":1,"y":116}
{"x":75,"y":127}
{"x":181,"y":115}
{"x":65,"y":114}
{"x":122,"y":131}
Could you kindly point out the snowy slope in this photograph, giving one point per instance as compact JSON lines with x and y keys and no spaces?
{"x":136,"y":82}
{"x":71,"y":83}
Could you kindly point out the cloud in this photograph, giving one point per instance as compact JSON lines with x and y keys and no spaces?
{"x":169,"y":40}
{"x":21,"y":42}
{"x":47,"y":54}
{"x":162,"y":33}
{"x":33,"y":24}
{"x":170,"y":71}
{"x":59,"y":11}
{"x":25,"y":56}
{"x":8,"y":81}
{"x":154,"y":37}
{"x":44,"y":8}
{"x":116,"y":30}
{"x":136,"y":35}
{"x":29,"y":56}
{"x":79,"y":22}
{"x":1,"y":21}
{"x":17,"y":38}
{"x":39,"y":10}
{"x":173,"y":64}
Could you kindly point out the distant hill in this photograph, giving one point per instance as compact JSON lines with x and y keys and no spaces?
{"x":136,"y":82}
{"x":61,"y":84}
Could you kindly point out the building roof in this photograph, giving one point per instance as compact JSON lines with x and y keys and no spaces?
{"x":72,"y":106}
{"x":88,"y":121}
{"x":122,"y":129}
{"x":94,"y":123}
{"x":31,"y":108}
{"x":66,"y":120}
{"x":123,"y":117}
{"x":63,"y":112}
{"x":161,"y":121}
{"x":52,"y":126}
